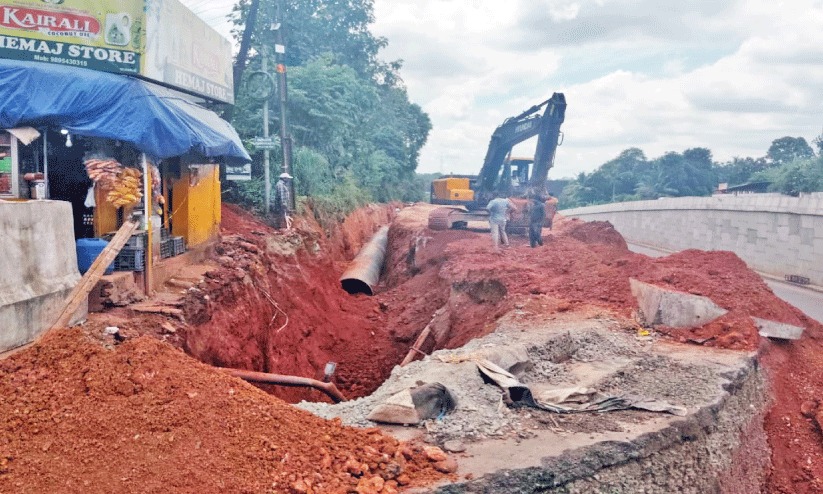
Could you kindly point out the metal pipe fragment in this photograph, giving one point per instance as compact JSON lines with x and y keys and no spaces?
{"x":292,"y":381}
{"x":363,"y":273}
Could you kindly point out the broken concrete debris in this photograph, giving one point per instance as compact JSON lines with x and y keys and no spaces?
{"x":572,"y":399}
{"x":414,"y":405}
{"x":659,"y":306}
{"x":773,"y":329}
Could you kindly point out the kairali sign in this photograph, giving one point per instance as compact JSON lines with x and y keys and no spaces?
{"x":158,"y":39}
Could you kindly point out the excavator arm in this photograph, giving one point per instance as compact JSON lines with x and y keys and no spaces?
{"x":471,"y":194}
{"x":516,"y":130}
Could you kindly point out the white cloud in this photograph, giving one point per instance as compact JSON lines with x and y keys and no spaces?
{"x":662,"y":76}
{"x":730,"y":76}
{"x":563,"y":11}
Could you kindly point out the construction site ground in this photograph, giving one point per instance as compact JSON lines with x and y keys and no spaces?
{"x":86,"y":412}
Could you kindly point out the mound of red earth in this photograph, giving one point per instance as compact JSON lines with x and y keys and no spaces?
{"x":143,"y":417}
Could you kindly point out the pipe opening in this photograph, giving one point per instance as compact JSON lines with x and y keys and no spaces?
{"x":355,"y":286}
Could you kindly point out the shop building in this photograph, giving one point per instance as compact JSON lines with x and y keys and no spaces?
{"x":85,"y":146}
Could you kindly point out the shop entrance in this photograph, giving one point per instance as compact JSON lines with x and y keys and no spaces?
{"x":68,"y":180}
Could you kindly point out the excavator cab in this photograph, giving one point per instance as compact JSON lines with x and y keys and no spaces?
{"x":515,"y":177}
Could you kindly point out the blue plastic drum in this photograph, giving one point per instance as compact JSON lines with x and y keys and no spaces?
{"x":87,"y":251}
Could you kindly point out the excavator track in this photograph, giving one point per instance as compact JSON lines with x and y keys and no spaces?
{"x":439,"y":218}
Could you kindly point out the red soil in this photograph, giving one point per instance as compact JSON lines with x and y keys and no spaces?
{"x":143,"y":417}
{"x":275,"y":305}
{"x":581,"y":265}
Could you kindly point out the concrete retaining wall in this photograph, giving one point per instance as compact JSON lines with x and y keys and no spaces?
{"x":773,"y":233}
{"x":38,"y":268}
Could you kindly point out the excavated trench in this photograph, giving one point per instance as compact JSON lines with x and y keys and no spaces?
{"x":275,"y":304}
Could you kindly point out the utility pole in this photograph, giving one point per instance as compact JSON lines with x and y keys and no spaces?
{"x":280,"y":54}
{"x":264,"y":67}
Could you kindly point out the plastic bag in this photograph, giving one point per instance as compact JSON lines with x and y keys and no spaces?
{"x":89,"y":202}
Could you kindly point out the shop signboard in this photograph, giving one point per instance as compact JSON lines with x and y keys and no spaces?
{"x":183,"y":51}
{"x":106,"y":35}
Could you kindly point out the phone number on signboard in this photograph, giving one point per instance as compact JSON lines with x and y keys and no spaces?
{"x":69,"y":61}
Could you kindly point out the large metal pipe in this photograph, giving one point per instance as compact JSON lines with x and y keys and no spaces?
{"x":363,"y":273}
{"x":281,"y":380}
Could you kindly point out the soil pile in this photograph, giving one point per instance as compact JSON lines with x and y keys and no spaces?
{"x":143,"y":417}
{"x":589,"y":264}
{"x":794,"y":424}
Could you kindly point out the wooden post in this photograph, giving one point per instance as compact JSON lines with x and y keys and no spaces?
{"x":415,"y":349}
{"x":92,"y":276}
{"x":147,"y":214}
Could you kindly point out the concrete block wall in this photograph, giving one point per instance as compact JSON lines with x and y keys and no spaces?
{"x":38,"y":268}
{"x":773,"y":233}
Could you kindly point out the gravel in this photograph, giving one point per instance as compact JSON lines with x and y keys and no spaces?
{"x":593,"y":353}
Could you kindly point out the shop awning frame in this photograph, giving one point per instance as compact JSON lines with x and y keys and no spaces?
{"x":113,"y":106}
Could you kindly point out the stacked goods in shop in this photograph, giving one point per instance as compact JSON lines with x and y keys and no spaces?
{"x":103,"y":172}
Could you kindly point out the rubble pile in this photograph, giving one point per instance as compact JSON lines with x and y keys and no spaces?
{"x":143,"y":417}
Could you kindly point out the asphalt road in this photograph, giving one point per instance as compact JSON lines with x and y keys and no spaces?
{"x":809,"y":301}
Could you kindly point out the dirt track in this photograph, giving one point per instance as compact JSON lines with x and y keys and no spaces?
{"x":273,"y":303}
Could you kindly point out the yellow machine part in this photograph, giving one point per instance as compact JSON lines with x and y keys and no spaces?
{"x":444,"y":188}
{"x":461,"y":195}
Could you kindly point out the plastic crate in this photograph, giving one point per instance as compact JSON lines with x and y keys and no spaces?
{"x":166,"y":248}
{"x":136,"y":241}
{"x":130,"y":260}
{"x":164,"y":233}
{"x":179,"y":246}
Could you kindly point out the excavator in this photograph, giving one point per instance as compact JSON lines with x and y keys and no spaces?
{"x":465,"y":196}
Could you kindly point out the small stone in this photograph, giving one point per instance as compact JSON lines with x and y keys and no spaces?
{"x":372,"y":485}
{"x":403,"y":480}
{"x":393,"y":470}
{"x":454,"y":446}
{"x":406,"y":452}
{"x":433,"y":453}
{"x":808,"y":408}
{"x":446,"y":466}
{"x":353,"y":467}
{"x":300,"y":487}
{"x":390,"y":488}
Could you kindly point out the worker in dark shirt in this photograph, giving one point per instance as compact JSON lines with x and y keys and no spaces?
{"x":537,"y":216}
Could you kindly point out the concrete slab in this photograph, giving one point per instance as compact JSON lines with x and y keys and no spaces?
{"x":530,"y":450}
{"x":773,"y":329}
{"x":660,"y":306}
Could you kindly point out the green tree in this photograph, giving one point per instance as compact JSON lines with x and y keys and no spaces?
{"x":740,"y":170}
{"x":787,"y":149}
{"x":349,"y":114}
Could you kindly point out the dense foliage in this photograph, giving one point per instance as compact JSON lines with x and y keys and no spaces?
{"x":790,"y":166}
{"x":356,"y":136}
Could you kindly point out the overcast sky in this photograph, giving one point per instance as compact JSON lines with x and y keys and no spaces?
{"x":659,"y":75}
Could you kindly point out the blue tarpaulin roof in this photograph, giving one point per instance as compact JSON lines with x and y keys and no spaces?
{"x":99,"y":104}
